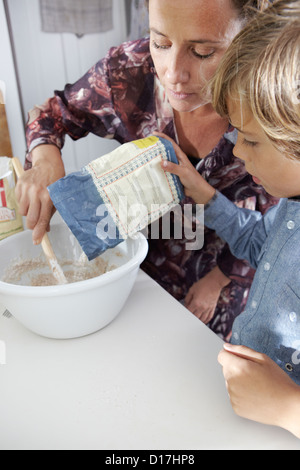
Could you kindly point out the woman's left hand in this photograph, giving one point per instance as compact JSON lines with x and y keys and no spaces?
{"x":203,"y":296}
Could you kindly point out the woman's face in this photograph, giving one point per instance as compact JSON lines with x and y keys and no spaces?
{"x":187,"y":41}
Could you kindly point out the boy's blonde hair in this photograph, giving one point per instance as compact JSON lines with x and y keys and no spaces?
{"x":262,"y":69}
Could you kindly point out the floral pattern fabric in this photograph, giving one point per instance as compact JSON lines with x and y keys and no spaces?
{"x":121,"y":98}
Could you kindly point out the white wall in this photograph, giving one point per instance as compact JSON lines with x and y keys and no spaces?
{"x":7,"y":74}
{"x":48,"y":61}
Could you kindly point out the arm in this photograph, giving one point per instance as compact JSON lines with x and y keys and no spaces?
{"x":238,"y":270}
{"x":259,"y":390}
{"x":71,"y":112}
{"x":81,"y":108}
{"x":244,"y":230}
{"x":101,"y":102}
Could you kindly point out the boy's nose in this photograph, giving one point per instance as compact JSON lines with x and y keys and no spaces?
{"x":238,"y":149}
{"x":235,"y":151}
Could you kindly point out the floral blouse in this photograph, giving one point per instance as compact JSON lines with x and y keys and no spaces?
{"x":121,"y":98}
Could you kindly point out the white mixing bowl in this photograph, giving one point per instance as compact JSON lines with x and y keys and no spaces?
{"x":72,"y":310}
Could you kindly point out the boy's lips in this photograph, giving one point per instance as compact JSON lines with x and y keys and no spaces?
{"x":256,"y":180}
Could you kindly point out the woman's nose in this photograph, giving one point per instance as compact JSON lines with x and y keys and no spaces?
{"x":177,"y":71}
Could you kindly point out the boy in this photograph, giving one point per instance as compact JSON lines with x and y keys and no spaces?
{"x":258,"y":88}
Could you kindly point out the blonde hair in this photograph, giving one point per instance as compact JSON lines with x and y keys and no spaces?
{"x":262,"y":69}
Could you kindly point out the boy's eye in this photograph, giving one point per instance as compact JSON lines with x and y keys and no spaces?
{"x":249,"y":143}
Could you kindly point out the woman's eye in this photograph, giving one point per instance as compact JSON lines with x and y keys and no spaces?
{"x":249,"y":143}
{"x":159,"y":46}
{"x":202,"y":56}
{"x":195,"y":53}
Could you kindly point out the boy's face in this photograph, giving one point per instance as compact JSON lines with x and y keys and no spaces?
{"x":279,"y":175}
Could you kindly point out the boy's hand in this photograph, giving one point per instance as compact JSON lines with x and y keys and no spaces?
{"x":259,"y":389}
{"x":195,"y":185}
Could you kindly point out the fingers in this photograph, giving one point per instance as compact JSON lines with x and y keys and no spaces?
{"x":33,"y":211}
{"x":181,"y":156}
{"x":31,"y":191}
{"x":188,"y":299}
{"x":204,"y":315}
{"x":244,"y":353}
{"x":22,"y":198}
{"x":235,"y":359}
{"x":166,"y":137}
{"x":34,"y":204}
{"x":42,"y":225}
{"x":233,"y":366}
{"x":172,"y":168}
{"x":202,"y":312}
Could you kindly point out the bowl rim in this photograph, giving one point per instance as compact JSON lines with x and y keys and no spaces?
{"x":68,"y":289}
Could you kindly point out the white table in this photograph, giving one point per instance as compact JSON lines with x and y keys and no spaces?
{"x":150,"y":380}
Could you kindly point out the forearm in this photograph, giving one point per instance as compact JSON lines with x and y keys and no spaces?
{"x":243,"y":229}
{"x":46,"y":153}
{"x":47,"y":161}
{"x":219,"y":277}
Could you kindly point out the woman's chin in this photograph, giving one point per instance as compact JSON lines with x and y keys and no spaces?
{"x":187,"y":108}
{"x":188,"y":105}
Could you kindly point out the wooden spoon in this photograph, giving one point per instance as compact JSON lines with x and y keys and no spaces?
{"x":46,"y":245}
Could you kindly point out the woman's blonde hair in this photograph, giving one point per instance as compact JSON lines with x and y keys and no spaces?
{"x":262,"y":69}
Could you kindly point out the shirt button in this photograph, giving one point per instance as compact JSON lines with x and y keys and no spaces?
{"x":267,"y":267}
{"x":291,"y":225}
{"x":293,"y":317}
{"x":254,"y":304}
{"x":236,"y":336}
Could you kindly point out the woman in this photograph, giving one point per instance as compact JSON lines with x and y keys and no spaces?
{"x":159,"y":85}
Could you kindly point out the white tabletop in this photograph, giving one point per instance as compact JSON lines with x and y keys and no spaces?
{"x":150,"y":380}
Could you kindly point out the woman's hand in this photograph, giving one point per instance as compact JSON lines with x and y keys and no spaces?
{"x":195,"y":185}
{"x":259,"y":389}
{"x":203,"y":296}
{"x":31,"y":190}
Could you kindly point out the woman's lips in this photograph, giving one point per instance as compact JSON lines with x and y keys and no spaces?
{"x":180,"y":95}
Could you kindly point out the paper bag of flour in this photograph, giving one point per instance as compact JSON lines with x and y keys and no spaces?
{"x":118,"y":195}
{"x":10,"y":219}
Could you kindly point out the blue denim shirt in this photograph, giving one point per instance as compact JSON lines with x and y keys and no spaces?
{"x":270,"y":323}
